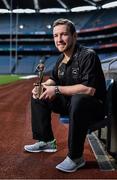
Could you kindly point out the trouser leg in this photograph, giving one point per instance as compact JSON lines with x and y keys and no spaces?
{"x":83,"y":110}
{"x":41,"y":116}
{"x":41,"y":120}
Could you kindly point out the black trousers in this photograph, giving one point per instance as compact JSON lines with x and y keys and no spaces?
{"x":83,"y":110}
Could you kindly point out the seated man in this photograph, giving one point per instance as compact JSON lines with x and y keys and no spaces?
{"x":76,"y":88}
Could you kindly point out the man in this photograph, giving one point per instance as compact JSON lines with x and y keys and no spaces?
{"x":77,"y":88}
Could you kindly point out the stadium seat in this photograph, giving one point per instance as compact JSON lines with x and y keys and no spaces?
{"x":106,"y":122}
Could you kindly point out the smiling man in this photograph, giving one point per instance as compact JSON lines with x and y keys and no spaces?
{"x":75,"y":88}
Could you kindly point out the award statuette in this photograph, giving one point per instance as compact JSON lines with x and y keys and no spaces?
{"x":40,"y":69}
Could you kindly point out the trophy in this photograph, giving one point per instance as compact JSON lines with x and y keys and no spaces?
{"x":40,"y":69}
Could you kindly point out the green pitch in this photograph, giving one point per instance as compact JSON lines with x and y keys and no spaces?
{"x":5,"y":79}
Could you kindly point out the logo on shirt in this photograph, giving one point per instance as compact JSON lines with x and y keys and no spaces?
{"x":75,"y":71}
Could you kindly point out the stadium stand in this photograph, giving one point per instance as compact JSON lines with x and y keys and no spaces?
{"x":4,"y":64}
{"x":25,"y":65}
{"x":101,"y":18}
{"x":31,"y":38}
{"x":49,"y":64}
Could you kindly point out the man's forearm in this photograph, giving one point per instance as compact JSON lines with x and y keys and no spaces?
{"x":76,"y":89}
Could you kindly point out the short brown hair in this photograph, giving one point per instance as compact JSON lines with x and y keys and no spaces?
{"x":69,"y":23}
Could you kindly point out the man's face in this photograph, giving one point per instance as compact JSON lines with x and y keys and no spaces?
{"x":63,"y":38}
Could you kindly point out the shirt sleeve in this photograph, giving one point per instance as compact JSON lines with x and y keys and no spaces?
{"x":90,"y":67}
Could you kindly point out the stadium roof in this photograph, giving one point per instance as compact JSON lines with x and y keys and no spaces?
{"x":45,"y":5}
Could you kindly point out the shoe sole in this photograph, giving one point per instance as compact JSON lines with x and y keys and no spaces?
{"x":46,"y":150}
{"x":73,"y":170}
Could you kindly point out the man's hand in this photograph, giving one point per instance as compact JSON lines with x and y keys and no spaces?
{"x":49,"y":92}
{"x":49,"y":82}
{"x":35,"y":92}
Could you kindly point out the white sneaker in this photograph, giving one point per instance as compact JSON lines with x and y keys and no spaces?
{"x":68,"y":165}
{"x":42,"y":146}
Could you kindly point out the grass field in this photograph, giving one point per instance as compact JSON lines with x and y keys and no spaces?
{"x":5,"y":79}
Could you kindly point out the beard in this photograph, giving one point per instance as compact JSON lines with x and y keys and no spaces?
{"x":65,"y":48}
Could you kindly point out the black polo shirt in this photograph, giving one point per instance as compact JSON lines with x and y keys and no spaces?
{"x":84,"y":67}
